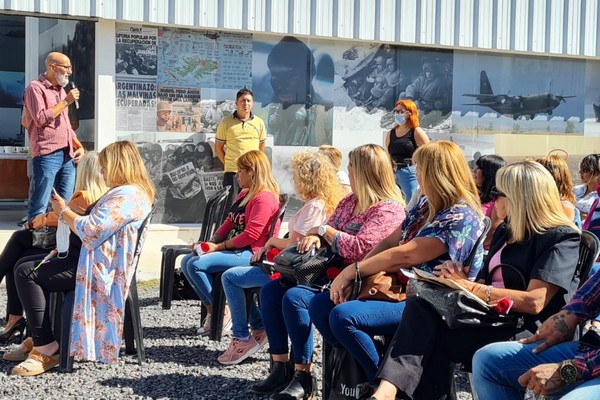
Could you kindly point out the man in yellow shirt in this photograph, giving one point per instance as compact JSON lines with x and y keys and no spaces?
{"x":237,"y":135}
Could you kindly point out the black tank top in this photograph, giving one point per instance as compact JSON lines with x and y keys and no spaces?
{"x":401,"y":148}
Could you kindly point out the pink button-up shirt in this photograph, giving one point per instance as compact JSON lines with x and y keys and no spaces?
{"x":46,"y":133}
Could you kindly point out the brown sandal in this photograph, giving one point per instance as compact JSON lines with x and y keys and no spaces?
{"x":37,"y":363}
{"x":20,"y":352}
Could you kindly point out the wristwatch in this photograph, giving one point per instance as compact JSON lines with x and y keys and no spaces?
{"x":322,"y":230}
{"x":568,"y":372}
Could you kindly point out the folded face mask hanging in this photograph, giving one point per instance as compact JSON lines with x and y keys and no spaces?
{"x":62,"y":239}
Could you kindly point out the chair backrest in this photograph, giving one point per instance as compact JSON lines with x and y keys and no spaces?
{"x":213,"y":214}
{"x":139,"y":242}
{"x":589,"y":248}
{"x":283,"y":202}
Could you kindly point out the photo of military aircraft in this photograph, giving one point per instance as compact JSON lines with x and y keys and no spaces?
{"x":515,"y":106}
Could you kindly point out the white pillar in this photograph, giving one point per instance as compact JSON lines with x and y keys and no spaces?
{"x":105,"y":84}
{"x":31,"y":53}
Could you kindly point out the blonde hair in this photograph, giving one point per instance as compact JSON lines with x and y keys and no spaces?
{"x":315,"y":178}
{"x":559,"y":170}
{"x":373,"y":176}
{"x":333,"y":154}
{"x":262,"y":178}
{"x":124,"y":166}
{"x":89,"y":178}
{"x":534,"y":204}
{"x":445,"y":177}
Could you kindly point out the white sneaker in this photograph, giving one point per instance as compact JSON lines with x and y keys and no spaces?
{"x":205,"y":328}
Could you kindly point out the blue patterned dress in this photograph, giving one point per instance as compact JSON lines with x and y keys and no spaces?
{"x":104,"y":273}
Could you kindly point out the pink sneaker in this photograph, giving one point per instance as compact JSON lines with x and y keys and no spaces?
{"x":238,"y":351}
{"x":260,"y":336}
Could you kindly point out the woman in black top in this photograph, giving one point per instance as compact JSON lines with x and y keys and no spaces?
{"x":540,"y":242}
{"x":402,"y":141}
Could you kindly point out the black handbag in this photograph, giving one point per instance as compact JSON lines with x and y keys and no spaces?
{"x":305,"y":268}
{"x":460,"y":309}
{"x":343,"y":377}
{"x":44,"y":237}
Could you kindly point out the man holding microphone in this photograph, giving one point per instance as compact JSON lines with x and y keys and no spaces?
{"x":53,"y":142}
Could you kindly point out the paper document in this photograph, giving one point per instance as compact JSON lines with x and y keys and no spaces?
{"x":427,"y":276}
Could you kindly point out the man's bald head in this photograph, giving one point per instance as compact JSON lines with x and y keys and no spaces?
{"x":56,"y":58}
{"x":58,"y":68}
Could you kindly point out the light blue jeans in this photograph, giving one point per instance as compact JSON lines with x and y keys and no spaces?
{"x":199,"y":270}
{"x":52,"y":170}
{"x":235,"y":280}
{"x":497,"y":367}
{"x":406,"y":179}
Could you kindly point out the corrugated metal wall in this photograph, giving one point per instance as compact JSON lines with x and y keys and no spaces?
{"x":567,"y":27}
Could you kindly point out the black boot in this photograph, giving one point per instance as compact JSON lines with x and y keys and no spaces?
{"x":280,"y":376}
{"x":300,"y":388}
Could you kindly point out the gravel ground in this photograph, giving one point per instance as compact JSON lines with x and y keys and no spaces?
{"x":180,"y":365}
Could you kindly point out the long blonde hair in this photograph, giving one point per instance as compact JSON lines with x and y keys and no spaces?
{"x":534,"y":204}
{"x":373,"y":176}
{"x":445,"y":177}
{"x":315,"y":178}
{"x":262,"y":178}
{"x":89,"y":178}
{"x":124,"y":166}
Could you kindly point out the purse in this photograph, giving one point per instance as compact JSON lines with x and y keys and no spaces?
{"x":460,"y":309}
{"x":305,"y":268}
{"x":44,"y":237}
{"x":384,"y":286}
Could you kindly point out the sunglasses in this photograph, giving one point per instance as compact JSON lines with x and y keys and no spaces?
{"x":494,"y":194}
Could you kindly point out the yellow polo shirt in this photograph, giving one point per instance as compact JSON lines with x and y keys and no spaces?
{"x":240,"y":137}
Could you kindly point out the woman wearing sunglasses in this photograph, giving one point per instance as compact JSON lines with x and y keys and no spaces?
{"x":540,"y":243}
{"x":402,"y":141}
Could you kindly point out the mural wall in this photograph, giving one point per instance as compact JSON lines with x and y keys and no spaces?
{"x":174,"y":86}
{"x":12,"y":79}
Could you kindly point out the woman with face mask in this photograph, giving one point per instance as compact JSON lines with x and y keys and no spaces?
{"x":402,"y":141}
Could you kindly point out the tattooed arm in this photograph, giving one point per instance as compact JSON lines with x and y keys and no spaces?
{"x":558,"y":328}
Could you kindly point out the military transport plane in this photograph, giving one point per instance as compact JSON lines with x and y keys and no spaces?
{"x":515,"y":105}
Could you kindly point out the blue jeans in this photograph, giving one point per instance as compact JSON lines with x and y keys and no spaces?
{"x":497,"y":366}
{"x":199,"y":270}
{"x":354,"y":323}
{"x":235,"y":280}
{"x":52,"y":170}
{"x":285,"y":311}
{"x":406,"y":179}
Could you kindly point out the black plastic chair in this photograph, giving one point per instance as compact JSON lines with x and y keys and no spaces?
{"x":218,"y":294}
{"x":213,"y":218}
{"x":589,"y":249}
{"x":132,"y":328}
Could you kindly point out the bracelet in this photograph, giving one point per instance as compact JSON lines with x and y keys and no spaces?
{"x":225,"y":244}
{"x":475,"y":288}
{"x":488,"y":294}
{"x":62,"y":211}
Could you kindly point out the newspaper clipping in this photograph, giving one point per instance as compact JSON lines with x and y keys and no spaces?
{"x":178,"y":109}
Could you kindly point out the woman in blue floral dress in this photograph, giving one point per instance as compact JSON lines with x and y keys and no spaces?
{"x":102,"y":274}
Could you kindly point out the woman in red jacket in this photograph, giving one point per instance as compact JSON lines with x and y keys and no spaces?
{"x":245,"y":230}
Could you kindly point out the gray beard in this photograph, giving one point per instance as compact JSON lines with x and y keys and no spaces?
{"x":62,"y":80}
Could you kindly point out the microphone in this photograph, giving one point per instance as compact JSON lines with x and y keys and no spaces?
{"x":76,"y":101}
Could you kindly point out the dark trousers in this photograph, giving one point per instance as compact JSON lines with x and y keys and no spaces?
{"x":419,"y":359}
{"x":17,"y":247}
{"x":57,"y":275}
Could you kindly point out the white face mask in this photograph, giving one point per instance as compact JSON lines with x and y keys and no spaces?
{"x":62,"y":79}
{"x":399,"y":119}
